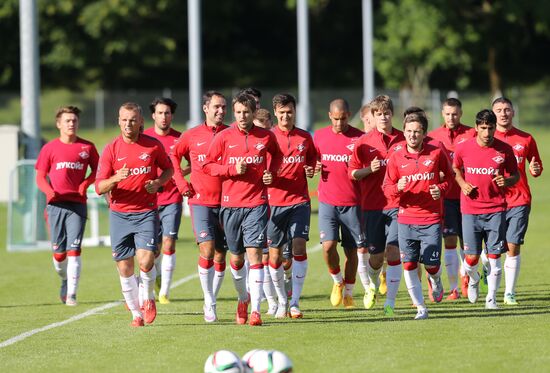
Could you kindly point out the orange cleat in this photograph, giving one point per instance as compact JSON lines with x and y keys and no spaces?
{"x":255,"y":319}
{"x":242,"y":312}
{"x":138,"y":321}
{"x":149,"y":310}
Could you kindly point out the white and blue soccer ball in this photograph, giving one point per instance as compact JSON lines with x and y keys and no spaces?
{"x":224,"y":361}
{"x":267,"y":361}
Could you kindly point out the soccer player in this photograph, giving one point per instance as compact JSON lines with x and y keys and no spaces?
{"x":128,"y":170}
{"x":413,"y":176}
{"x":169,"y":199}
{"x":339,"y":201}
{"x":451,"y":133}
{"x":65,"y":162}
{"x":518,"y":197}
{"x":368,"y":164}
{"x":290,"y":203}
{"x":239,"y":156}
{"x":366,"y":117}
{"x":484,"y":167}
{"x":204,"y":193}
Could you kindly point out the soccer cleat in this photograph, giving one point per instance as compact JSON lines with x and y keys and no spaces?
{"x":210,"y":313}
{"x":271,"y":308}
{"x":255,"y":319}
{"x":282,"y":311}
{"x":388,"y":311}
{"x":491,"y":304}
{"x":163,"y":299}
{"x":295,"y":312}
{"x":430,"y":289}
{"x":242,"y":312}
{"x":369,"y":300}
{"x":383,"y":288}
{"x":71,"y":300}
{"x":464,"y":285}
{"x":422,"y":314}
{"x":453,"y":295}
{"x":348,"y":302}
{"x":437,"y":289}
{"x":336,"y":295}
{"x":149,"y":310}
{"x":510,"y":299}
{"x":473,"y":291}
{"x":63,"y":291}
{"x":136,"y":322}
{"x":483,"y":287}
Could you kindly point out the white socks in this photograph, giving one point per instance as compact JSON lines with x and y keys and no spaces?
{"x":256,"y":280}
{"x":337,"y":277}
{"x":451,"y":266}
{"x":414,"y":287}
{"x":493,"y":279}
{"x":299,"y":271}
{"x":73,"y":274}
{"x":511,"y":273}
{"x":206,"y":277}
{"x":239,"y":281}
{"x":269,"y":289}
{"x":363,"y":269}
{"x":148,"y":280}
{"x":60,"y":268}
{"x":393,"y":279}
{"x":471,"y":271}
{"x":374,"y":277}
{"x":278,"y":280}
{"x":130,"y":292}
{"x":167,"y":271}
{"x":219,"y":274}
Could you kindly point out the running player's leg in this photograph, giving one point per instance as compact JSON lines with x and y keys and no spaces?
{"x":329,"y":236}
{"x":75,"y":224}
{"x":473,"y":237}
{"x":495,"y":228}
{"x":393,"y":258}
{"x":55,"y":217}
{"x":517,"y":220}
{"x":410,"y":252}
{"x":451,"y":229}
{"x":170,"y":221}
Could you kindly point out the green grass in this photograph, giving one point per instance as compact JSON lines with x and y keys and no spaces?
{"x":457,"y":336}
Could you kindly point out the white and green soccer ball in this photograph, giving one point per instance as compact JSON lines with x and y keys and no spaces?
{"x":267,"y":361}
{"x":224,"y":361}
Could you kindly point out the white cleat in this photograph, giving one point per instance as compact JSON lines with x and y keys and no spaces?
{"x":422,"y":314}
{"x":491,"y":304}
{"x":282,"y":311}
{"x":210,"y":313}
{"x":271,"y":308}
{"x":71,"y":300}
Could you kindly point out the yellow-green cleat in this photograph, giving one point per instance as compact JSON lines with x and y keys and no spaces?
{"x":163,"y":299}
{"x":369,"y":300}
{"x":336,"y":295}
{"x":388,"y":311}
{"x":510,"y":299}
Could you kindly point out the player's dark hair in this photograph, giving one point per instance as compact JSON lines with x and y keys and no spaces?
{"x":163,"y":101}
{"x":486,"y":116}
{"x":453,"y":102}
{"x":246,"y":100}
{"x":207,"y":96}
{"x":502,"y":100}
{"x":414,"y":109}
{"x":417,"y":116}
{"x":283,"y":99}
{"x":251,"y":91}
{"x":67,"y":109}
{"x":382,"y":103}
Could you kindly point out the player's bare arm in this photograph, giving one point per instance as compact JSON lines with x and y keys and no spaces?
{"x":105,"y":186}
{"x":466,"y":188}
{"x":152,"y":186}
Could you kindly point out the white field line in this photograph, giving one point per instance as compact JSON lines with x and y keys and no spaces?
{"x":99,"y":309}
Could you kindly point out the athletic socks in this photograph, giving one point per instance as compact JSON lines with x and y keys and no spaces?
{"x":219,"y":274}
{"x":256,"y":280}
{"x":60,"y":266}
{"x":73,"y":274}
{"x":130,"y":293}
{"x":493,"y":279}
{"x":269,"y":289}
{"x":167,"y":271}
{"x":363,"y":269}
{"x":393,"y":279}
{"x":239,"y":281}
{"x":374,"y":276}
{"x":298,"y":277}
{"x":277,"y":278}
{"x":336,"y":275}
{"x":511,"y":273}
{"x":471,"y":270}
{"x":148,"y":280}
{"x":414,"y":287}
{"x":206,"y":277}
{"x":451,"y":266}
{"x":348,"y":288}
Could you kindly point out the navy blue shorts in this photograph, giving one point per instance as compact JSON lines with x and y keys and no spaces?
{"x":67,"y":221}
{"x":452,"y":218}
{"x":347,"y":219}
{"x":517,"y":220}
{"x":244,"y":227}
{"x":288,"y":222}
{"x":170,"y":220}
{"x":207,"y":225}
{"x":131,"y":231}
{"x":420,"y":243}
{"x":381,"y":229}
{"x":489,"y":228}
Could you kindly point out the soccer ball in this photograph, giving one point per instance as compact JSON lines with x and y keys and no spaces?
{"x":267,"y":361}
{"x":223,"y":361}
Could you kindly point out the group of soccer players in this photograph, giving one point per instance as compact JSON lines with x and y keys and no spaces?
{"x":388,"y":196}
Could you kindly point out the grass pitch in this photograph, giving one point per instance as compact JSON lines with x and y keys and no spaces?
{"x":458,"y":336}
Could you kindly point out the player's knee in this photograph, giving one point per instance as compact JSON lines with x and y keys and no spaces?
{"x":59,"y":257}
{"x":471,"y":260}
{"x":410,"y":266}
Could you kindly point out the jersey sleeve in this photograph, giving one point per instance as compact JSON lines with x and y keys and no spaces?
{"x":180,"y":150}
{"x":43,"y":163}
{"x":510,"y":164}
{"x":275,"y":152}
{"x":448,"y":173}
{"x":391,"y":178}
{"x":105,"y":166}
{"x":311,"y":155}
